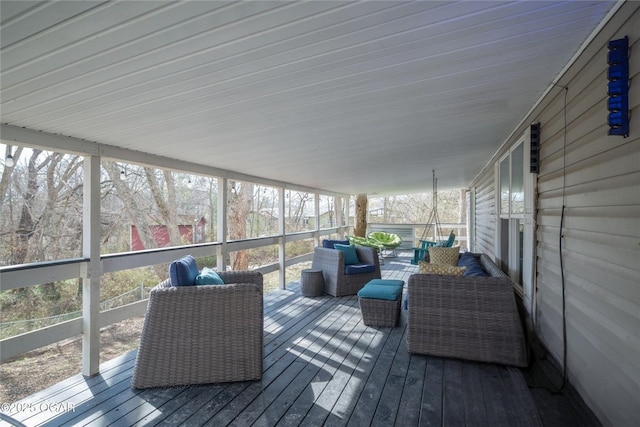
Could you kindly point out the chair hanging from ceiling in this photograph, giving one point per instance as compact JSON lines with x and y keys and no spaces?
{"x":433,"y":216}
{"x":421,"y":251}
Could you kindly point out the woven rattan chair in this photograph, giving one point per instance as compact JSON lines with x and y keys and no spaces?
{"x":202,"y":334}
{"x":336,"y":282}
{"x":471,"y":318}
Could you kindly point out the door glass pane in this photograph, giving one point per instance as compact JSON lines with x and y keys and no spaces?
{"x":517,"y":180}
{"x":518,"y":241}
{"x":504,"y":245}
{"x":504,"y":186}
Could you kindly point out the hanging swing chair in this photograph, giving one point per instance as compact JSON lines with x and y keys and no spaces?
{"x":421,"y":252}
{"x":389,"y":241}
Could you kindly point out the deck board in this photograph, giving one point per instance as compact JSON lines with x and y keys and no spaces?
{"x":475,"y":413}
{"x":322,"y":366}
{"x":432,"y":394}
{"x":411,"y":395}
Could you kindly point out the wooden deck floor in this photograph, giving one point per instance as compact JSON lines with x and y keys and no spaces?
{"x":322,"y":366}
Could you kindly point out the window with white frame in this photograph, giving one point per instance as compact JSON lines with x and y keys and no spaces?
{"x":511,"y":210}
{"x":512,"y":183}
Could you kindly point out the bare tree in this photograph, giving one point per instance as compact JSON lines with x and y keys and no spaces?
{"x":57,"y":220}
{"x":49,"y":201}
{"x":7,"y":172}
{"x":133,"y":212}
{"x":167,"y":206}
{"x":212,"y":185}
{"x":240,"y":202}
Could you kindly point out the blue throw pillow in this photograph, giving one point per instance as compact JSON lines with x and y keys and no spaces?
{"x":330,"y":244}
{"x":183,"y":272}
{"x":474,"y":268}
{"x":208,"y":276}
{"x":467,"y":259}
{"x":350,"y":254}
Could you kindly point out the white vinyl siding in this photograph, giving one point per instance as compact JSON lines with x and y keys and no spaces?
{"x":599,"y":177}
{"x":485,"y":215}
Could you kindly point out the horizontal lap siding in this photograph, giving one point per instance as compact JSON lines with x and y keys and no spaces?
{"x":599,"y":177}
{"x":485,"y":219}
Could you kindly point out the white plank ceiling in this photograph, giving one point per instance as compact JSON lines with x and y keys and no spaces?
{"x":352,"y":97}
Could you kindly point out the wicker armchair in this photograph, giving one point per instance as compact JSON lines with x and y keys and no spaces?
{"x":471,"y":318}
{"x":336,"y":282}
{"x":202,"y":334}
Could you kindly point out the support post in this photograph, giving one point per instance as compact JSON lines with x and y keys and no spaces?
{"x":283,"y":240}
{"x":316,"y":234}
{"x":222,"y":255}
{"x":339,"y":208}
{"x":91,"y":279}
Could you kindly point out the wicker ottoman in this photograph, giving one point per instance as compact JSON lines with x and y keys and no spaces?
{"x":312,"y":283}
{"x":380,"y":302}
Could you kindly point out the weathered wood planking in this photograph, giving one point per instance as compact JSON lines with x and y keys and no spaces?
{"x":322,"y":366}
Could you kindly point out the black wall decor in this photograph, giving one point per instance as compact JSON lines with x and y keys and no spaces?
{"x":534,"y":157}
{"x":618,"y":87}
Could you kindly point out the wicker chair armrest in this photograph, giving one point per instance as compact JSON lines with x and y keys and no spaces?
{"x":327,"y":259}
{"x":236,"y":282}
{"x":368,"y":256}
{"x":491,"y":268}
{"x":452,"y":287}
{"x":244,"y":276}
{"x":192,"y":293}
{"x":163,"y":284}
{"x":228,"y":277}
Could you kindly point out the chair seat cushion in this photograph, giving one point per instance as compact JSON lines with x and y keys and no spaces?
{"x":385,"y":292}
{"x":183,"y":272}
{"x":386,"y":282}
{"x":359,"y":268}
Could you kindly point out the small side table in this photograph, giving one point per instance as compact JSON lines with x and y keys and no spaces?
{"x":312,"y":283}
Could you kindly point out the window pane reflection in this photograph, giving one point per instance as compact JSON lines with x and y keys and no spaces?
{"x":517,"y":180}
{"x":504,"y":186}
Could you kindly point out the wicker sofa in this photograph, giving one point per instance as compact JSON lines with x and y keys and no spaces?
{"x":202,"y":334}
{"x":332,"y":264}
{"x":472,"y":318}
